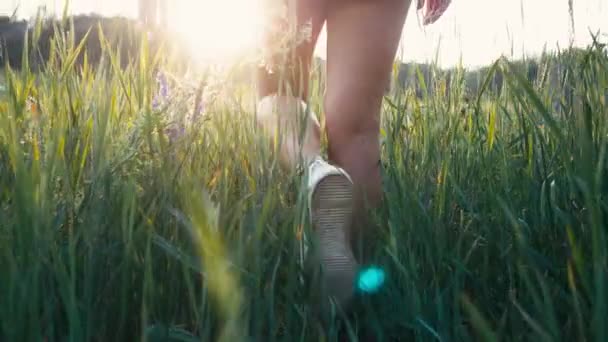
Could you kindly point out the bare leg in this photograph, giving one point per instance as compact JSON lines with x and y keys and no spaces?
{"x":362,"y":41}
{"x":363,"y":37}
{"x":329,"y":189}
{"x":284,"y":91}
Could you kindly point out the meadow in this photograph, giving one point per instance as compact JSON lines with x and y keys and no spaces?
{"x":139,"y":208}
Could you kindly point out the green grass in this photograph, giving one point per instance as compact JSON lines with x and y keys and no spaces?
{"x":492,"y":227}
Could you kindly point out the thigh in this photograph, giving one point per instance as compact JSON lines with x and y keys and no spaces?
{"x":292,"y":66}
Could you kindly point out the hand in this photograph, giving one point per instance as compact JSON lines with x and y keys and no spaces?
{"x":434,"y":9}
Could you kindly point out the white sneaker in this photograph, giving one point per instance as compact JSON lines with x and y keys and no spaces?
{"x":330,"y":192}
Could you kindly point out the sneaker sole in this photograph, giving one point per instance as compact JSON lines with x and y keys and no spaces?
{"x":332,"y":210}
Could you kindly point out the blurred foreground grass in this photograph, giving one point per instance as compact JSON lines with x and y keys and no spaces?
{"x":123,"y":217}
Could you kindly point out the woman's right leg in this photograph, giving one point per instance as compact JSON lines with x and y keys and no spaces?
{"x":363,"y":38}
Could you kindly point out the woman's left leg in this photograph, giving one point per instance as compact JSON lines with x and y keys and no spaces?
{"x":283,"y":89}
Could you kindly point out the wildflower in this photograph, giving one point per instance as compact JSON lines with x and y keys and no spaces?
{"x":200,"y":109}
{"x":162,"y":95}
{"x":175,"y":131}
{"x":31,"y":105}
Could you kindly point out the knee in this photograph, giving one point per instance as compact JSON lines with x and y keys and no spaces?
{"x":353,"y":114}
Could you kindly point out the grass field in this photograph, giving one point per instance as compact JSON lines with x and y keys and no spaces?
{"x":493,"y":225}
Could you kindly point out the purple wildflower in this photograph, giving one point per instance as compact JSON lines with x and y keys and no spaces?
{"x":155,"y":103}
{"x":175,"y":131}
{"x":164,"y":87}
{"x":163,"y":91}
{"x":199,"y":110}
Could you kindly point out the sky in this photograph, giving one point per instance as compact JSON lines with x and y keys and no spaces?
{"x":474,"y":32}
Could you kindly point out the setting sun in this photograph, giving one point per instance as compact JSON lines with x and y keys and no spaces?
{"x":217,"y":30}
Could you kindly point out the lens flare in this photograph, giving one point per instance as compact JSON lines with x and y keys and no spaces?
{"x":371,"y":279}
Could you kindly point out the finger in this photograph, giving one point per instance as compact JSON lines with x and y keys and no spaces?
{"x":434,"y":10}
{"x":420,"y":5}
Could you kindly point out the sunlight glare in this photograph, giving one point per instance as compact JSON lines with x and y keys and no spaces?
{"x":217,"y":31}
